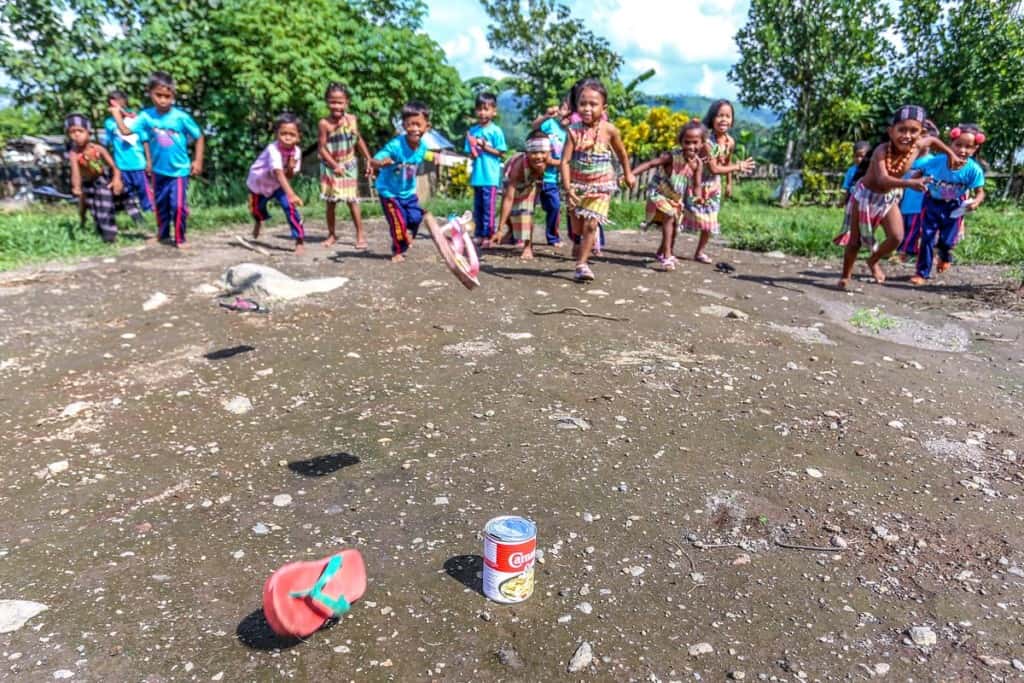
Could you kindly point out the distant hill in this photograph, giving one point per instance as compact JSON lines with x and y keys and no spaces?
{"x":698,"y":105}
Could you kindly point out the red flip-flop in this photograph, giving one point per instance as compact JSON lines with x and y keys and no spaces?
{"x":299,"y":598}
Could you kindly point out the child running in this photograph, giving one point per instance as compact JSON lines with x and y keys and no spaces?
{"x":910,"y":205}
{"x":169,"y":131}
{"x":485,"y":143}
{"x":339,"y":140}
{"x":131,"y":156}
{"x":554,"y":123}
{"x":396,"y":183}
{"x":270,"y":178}
{"x":944,"y":203}
{"x":860,"y":150}
{"x":524,"y":173}
{"x":588,"y":177}
{"x":95,"y":178}
{"x":879,"y":188}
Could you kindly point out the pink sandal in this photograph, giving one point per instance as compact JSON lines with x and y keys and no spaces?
{"x":299,"y":598}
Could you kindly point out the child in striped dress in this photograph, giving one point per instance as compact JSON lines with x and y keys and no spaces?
{"x":588,"y":177}
{"x":339,"y":140}
{"x":524,"y":174}
{"x":95,"y":179}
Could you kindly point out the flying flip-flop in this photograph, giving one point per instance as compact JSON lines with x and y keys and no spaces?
{"x":299,"y":598}
{"x":454,"y":244}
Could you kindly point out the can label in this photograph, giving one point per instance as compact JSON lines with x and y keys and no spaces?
{"x":508,"y":569}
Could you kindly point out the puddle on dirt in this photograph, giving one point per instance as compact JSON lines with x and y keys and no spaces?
{"x":900,"y":330}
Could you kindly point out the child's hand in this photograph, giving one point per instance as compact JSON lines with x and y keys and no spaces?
{"x":919,"y":184}
{"x":76,"y":190}
{"x":630,"y":179}
{"x":114,"y":109}
{"x":552,"y":111}
{"x":386,"y":161}
{"x":149,"y":170}
{"x":116,"y":186}
{"x":956,"y":162}
{"x":572,"y":198}
{"x":197,"y":168}
{"x":747,"y":165}
{"x":295,"y":199}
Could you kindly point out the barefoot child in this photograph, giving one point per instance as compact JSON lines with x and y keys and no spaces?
{"x":943,"y":204}
{"x":270,"y":178}
{"x":131,"y":156}
{"x":95,"y":179}
{"x":860,"y":150}
{"x":718,"y":121}
{"x":588,"y":177}
{"x":910,"y":205}
{"x":339,"y":140}
{"x":554,"y":123}
{"x":879,"y":187}
{"x":169,"y":130}
{"x":485,"y":143}
{"x":524,"y":173}
{"x":396,"y":182}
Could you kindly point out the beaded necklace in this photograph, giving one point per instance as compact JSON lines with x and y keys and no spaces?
{"x":896,"y":166}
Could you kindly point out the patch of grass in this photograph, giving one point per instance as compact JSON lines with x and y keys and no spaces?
{"x":873,"y":320}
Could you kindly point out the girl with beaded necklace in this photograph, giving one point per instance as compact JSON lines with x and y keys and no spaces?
{"x":878,"y":188}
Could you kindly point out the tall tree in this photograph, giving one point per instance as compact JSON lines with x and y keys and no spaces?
{"x":815,"y":61}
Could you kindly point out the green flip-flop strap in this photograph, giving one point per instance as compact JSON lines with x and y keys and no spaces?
{"x":338,"y":605}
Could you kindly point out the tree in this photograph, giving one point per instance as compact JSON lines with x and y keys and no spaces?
{"x":545,"y":50}
{"x":813,"y":60}
{"x":238,"y":62}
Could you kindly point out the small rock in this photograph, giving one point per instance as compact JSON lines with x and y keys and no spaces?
{"x":742,"y":559}
{"x":636,"y":570}
{"x":719,"y":311}
{"x":342,"y":649}
{"x":838,"y":541}
{"x":585,"y":607}
{"x":588,"y":517}
{"x":440,"y":500}
{"x":737,"y":675}
{"x":988,"y":660}
{"x":1018,"y":665}
{"x":58,"y":467}
{"x":881,"y":669}
{"x":948,"y":421}
{"x":261,"y":529}
{"x":922,"y":636}
{"x":156,"y":301}
{"x":238,"y":554}
{"x":15,"y":613}
{"x":880,"y":531}
{"x":62,"y":674}
{"x":896,"y":424}
{"x":701,"y":649}
{"x":815,"y":473}
{"x":239,"y":405}
{"x":581,"y":659}
{"x":564,"y":619}
{"x":282,"y":500}
{"x":73,"y":409}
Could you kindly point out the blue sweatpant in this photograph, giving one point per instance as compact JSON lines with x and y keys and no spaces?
{"x":258,"y":208}
{"x":171,"y":206}
{"x":552,"y":204}
{"x":137,"y":185}
{"x":938,"y":230}
{"x":404,"y":216}
{"x":485,"y":203}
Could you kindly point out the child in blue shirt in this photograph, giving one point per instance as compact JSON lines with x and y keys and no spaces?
{"x":555,"y":124}
{"x":169,"y":131}
{"x":131,"y":156}
{"x":910,"y":205}
{"x":861,"y":148}
{"x":947,"y":189}
{"x":396,"y":182}
{"x":485,"y":142}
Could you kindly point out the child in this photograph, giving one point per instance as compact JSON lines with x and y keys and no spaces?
{"x":878,"y":188}
{"x":702,"y":216}
{"x":588,"y":177}
{"x":95,"y":178}
{"x":131,"y":156}
{"x":169,"y":130}
{"x":553,"y":123}
{"x":269,"y":178}
{"x":910,"y":205}
{"x":339,"y":140}
{"x":396,"y":183}
{"x":485,"y":142}
{"x":523,"y":173}
{"x":860,"y":150}
{"x":675,"y":190}
{"x":946,"y":186}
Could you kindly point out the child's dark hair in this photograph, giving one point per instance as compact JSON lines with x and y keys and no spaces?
{"x":979,"y":139}
{"x":284,"y":118}
{"x":486,"y":98}
{"x":161,"y":78}
{"x":117,"y":95}
{"x":537,"y":135}
{"x":930,"y":128}
{"x":334,"y":87}
{"x":716,"y":106}
{"x":692,"y":124}
{"x":861,"y":146}
{"x":587,"y":84}
{"x":905,"y":113}
{"x":415,"y":108}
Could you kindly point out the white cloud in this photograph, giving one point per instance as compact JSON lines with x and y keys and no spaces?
{"x":469,"y":51}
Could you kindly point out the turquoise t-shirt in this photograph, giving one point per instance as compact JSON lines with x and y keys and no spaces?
{"x":169,"y":135}
{"x":911,"y":203}
{"x":557,"y":134}
{"x":399,"y":179}
{"x":126,"y":149}
{"x":848,"y":178}
{"x":947,"y":184}
{"x":486,"y":167}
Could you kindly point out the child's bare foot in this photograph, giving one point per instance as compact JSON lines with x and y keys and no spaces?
{"x":183,"y":245}
{"x":844,"y":283}
{"x":256,"y":230}
{"x":362,"y":244}
{"x":917,"y":281}
{"x":558,"y":246}
{"x":398,"y":258}
{"x":944,"y":266}
{"x":300,"y":248}
{"x":331,"y":239}
{"x":527,"y":254}
{"x":877,"y":272}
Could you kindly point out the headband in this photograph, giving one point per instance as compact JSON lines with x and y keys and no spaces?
{"x":77,"y":120}
{"x":538,"y":145}
{"x":979,"y":137}
{"x":909,"y":112}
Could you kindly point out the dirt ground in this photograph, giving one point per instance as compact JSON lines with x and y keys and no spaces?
{"x":670,"y":458}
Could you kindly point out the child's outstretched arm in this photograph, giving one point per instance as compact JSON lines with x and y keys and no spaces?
{"x":380,"y":161}
{"x":149,"y":158}
{"x":886,"y":182}
{"x":718,"y":168}
{"x":116,"y":184}
{"x":953,"y":159}
{"x":620,"y":151}
{"x":282,"y":179}
{"x":979,"y":197}
{"x":550,"y":113}
{"x":197,"y":163}
{"x":118,"y":115}
{"x":663,"y":159}
{"x":567,"y":152}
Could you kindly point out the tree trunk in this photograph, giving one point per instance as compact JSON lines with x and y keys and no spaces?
{"x":1009,"y":175}
{"x":783,"y":195}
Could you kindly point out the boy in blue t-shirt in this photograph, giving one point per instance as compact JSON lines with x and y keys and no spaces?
{"x":860,"y":150}
{"x":131,"y":155}
{"x":554,"y":123}
{"x":945,"y":201}
{"x":485,"y":142}
{"x":169,"y":131}
{"x":910,"y":205}
{"x":396,"y":183}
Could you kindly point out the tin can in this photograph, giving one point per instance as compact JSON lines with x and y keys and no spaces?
{"x":510,"y":551}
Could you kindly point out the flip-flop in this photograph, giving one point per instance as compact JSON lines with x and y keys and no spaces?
{"x":244,"y":306}
{"x":299,"y":598}
{"x":456,"y":248}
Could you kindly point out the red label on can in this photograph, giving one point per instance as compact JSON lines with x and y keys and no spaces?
{"x":509,"y":557}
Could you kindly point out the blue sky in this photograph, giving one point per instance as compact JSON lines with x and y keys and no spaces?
{"x":688,"y":42}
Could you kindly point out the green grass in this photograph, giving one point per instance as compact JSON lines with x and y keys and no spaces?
{"x":873,"y":320}
{"x":995,"y":234}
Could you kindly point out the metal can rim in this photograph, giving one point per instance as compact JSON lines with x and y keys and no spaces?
{"x":510,"y":538}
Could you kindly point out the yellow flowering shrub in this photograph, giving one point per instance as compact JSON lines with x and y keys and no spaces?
{"x":655,"y":133}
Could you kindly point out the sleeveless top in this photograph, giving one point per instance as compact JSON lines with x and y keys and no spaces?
{"x":341,"y":144}
{"x":590,"y":168}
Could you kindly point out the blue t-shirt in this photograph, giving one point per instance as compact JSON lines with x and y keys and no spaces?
{"x":848,"y":178}
{"x":946,"y":184}
{"x":557,"y":134}
{"x":486,"y":167}
{"x":169,"y":135}
{"x":126,"y":149}
{"x":911,"y":203}
{"x":399,"y":179}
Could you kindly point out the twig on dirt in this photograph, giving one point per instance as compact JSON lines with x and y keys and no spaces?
{"x":701,"y":545}
{"x":573,"y":309}
{"x":812,"y":548}
{"x":997,"y":340}
{"x":251,"y":247}
{"x":693,"y":565}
